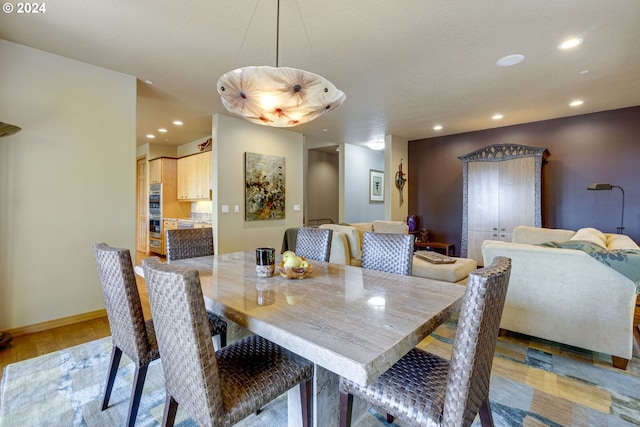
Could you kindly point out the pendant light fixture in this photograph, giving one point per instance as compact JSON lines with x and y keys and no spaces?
{"x":278,"y":96}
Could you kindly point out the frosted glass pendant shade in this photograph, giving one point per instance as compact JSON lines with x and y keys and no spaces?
{"x":278,"y":96}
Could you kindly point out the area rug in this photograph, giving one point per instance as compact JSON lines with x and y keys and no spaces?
{"x":534,"y":383}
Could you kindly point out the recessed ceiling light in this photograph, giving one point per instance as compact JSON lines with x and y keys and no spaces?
{"x":569,"y":43}
{"x":437,"y":127}
{"x":177,"y":122}
{"x":509,"y":60}
{"x":376,"y":145}
{"x":149,"y":82}
{"x":162,"y":130}
{"x":576,"y":103}
{"x":325,"y":130}
{"x":497,"y":116}
{"x":150,"y":136}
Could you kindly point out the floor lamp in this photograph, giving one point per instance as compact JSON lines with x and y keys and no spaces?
{"x":598,"y":187}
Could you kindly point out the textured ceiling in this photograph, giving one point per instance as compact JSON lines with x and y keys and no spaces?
{"x":404,"y":65}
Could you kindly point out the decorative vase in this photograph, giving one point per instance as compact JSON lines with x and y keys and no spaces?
{"x":413,"y":222}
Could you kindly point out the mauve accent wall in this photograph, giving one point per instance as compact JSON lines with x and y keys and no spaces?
{"x":599,"y":147}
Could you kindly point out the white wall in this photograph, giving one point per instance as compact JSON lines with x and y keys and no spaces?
{"x":232,"y":137}
{"x":357,"y":163}
{"x":67,"y":181}
{"x":396,"y":152}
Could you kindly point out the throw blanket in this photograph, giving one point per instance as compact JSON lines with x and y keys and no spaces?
{"x":289,"y":240}
{"x":624,"y":261}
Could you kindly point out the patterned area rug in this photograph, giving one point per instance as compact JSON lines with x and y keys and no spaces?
{"x":534,"y":383}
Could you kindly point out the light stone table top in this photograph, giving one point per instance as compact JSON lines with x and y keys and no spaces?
{"x":351,"y":321}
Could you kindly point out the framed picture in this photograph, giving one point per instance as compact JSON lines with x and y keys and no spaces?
{"x":264,"y":187}
{"x":376,"y":186}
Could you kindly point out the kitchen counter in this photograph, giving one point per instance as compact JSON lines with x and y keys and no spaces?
{"x":193,"y":220}
{"x":188,"y":222}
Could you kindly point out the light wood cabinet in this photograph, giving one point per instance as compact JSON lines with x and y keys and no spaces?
{"x":167,"y":224}
{"x":170,"y":224}
{"x":502,"y":189}
{"x":162,"y":176}
{"x":162,"y":170}
{"x":194,"y":177}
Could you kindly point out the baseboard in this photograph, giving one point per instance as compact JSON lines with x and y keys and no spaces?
{"x":56,"y":323}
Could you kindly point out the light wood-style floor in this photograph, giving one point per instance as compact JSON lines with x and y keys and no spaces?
{"x":36,"y":344}
{"x":39,"y":343}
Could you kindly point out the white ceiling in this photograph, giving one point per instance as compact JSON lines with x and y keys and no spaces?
{"x":405,"y":65}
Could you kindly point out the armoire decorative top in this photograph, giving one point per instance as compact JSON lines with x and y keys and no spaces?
{"x":499,"y":152}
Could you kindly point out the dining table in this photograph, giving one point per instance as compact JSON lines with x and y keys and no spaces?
{"x":349,"y":321}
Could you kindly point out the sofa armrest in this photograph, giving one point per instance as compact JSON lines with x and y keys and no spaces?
{"x":564,"y":295}
{"x":394,"y":227}
{"x":353,"y":238}
{"x":537,"y":235}
{"x":340,"y":253}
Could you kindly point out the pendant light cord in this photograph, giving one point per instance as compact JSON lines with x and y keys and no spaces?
{"x":246,"y":31}
{"x":278,"y":35}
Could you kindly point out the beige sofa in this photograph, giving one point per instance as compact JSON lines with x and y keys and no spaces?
{"x":346,"y":248}
{"x":346,"y":244}
{"x":565,"y":295}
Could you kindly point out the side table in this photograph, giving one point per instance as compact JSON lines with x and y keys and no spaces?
{"x":448,"y":247}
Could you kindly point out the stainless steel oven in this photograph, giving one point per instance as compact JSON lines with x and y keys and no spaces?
{"x":155,"y":218}
{"x":155,"y":227}
{"x":155,"y":200}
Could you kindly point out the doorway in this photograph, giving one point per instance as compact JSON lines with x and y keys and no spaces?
{"x":323,"y":193}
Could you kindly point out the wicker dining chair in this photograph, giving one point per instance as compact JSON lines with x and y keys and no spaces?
{"x":130,"y":333}
{"x":423,"y":389}
{"x":193,"y":243}
{"x":189,"y":243}
{"x":392,"y":253}
{"x":314,"y":243}
{"x":215,"y":388}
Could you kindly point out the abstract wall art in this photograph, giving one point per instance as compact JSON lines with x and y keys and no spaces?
{"x":264,"y":187}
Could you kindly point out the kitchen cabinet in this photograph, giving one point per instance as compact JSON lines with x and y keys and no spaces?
{"x":194,"y":177}
{"x":167,"y":224}
{"x":502,"y":188}
{"x":162,"y":170}
{"x":163,"y":200}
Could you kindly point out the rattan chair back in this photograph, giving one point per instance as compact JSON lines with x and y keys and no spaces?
{"x":474,"y":346}
{"x":215,"y":389}
{"x":184,"y":339}
{"x":314,"y":243}
{"x":189,"y":243}
{"x":392,"y":253}
{"x":423,"y":389}
{"x":122,"y":301}
{"x":130,"y":333}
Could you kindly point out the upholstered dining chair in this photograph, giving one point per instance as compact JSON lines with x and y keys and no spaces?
{"x":189,"y":243}
{"x":423,"y":389}
{"x":392,"y":253}
{"x":314,"y":243}
{"x":130,"y":333}
{"x":215,"y":388}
